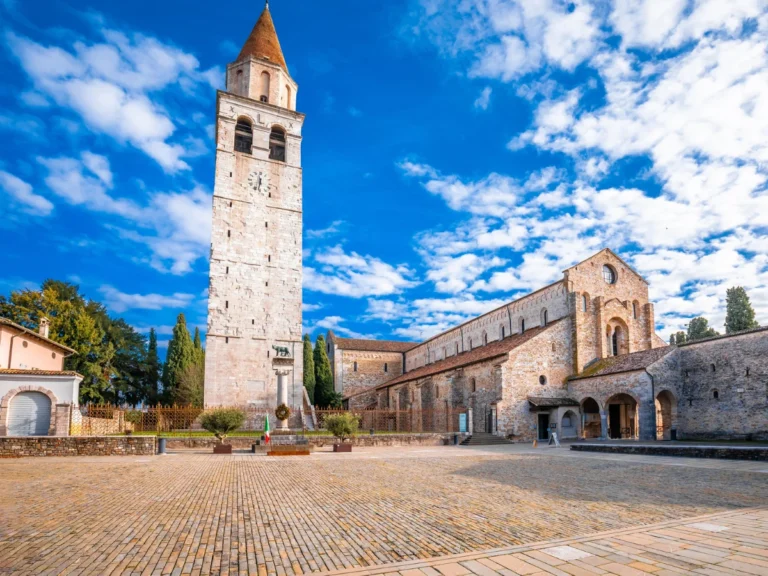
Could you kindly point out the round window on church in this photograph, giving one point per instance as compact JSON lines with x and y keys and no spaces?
{"x":609,"y":274}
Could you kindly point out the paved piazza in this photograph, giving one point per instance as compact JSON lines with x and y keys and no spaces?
{"x":248,"y":514}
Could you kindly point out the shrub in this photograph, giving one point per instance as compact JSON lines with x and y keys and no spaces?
{"x":133,"y":416}
{"x":342,"y":425}
{"x":222,"y":421}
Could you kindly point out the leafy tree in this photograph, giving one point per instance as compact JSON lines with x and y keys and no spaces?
{"x":222,"y":421}
{"x":678,"y":338}
{"x":323,"y":375}
{"x":152,"y":372}
{"x":309,"y":369}
{"x":342,"y":426}
{"x":190,"y":388}
{"x":699,"y":328}
{"x":739,"y":315}
{"x":111,"y":355}
{"x":181,"y":354}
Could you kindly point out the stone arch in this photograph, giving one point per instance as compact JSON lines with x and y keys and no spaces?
{"x":569,"y":425}
{"x":635,"y":310}
{"x":666,"y":414}
{"x":623,"y":416}
{"x":590,"y":418}
{"x":585,"y":302}
{"x":264,"y":82}
{"x":244,"y":135}
{"x":617,"y":337}
{"x":5,"y":405}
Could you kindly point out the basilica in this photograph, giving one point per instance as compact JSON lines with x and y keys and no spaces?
{"x":579,"y":357}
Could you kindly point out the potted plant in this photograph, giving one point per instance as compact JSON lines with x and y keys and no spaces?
{"x":342,"y":426}
{"x":222,"y":422}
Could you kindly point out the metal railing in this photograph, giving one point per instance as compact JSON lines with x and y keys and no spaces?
{"x":410,"y":421}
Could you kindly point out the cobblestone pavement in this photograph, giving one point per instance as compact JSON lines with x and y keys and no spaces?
{"x":205,"y":514}
{"x":730,"y":543}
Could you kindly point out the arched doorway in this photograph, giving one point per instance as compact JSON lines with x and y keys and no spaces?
{"x":590,"y":418}
{"x":666,"y":414}
{"x":569,"y":425}
{"x":29,"y":414}
{"x":622,"y":417}
{"x":617,"y":337}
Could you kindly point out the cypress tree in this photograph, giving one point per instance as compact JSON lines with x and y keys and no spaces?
{"x":309,"y":369}
{"x":181,"y":353}
{"x":198,"y":344}
{"x":740,"y":315}
{"x":153,"y":369}
{"x":323,"y":375}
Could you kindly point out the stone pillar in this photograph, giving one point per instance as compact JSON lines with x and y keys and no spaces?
{"x":416,"y":415}
{"x":646,"y":418}
{"x":282,"y":392}
{"x":603,"y":424}
{"x":470,"y":423}
{"x":63,"y":412}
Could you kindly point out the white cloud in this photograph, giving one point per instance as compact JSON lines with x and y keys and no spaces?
{"x":335,"y":323}
{"x":23,"y":193}
{"x":306,"y":307}
{"x":453,"y":275}
{"x":332,"y":229}
{"x":354,"y":275}
{"x":119,"y":302}
{"x":109,"y":85}
{"x":484,"y":99}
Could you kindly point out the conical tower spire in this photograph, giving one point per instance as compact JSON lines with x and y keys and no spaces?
{"x":263,"y":42}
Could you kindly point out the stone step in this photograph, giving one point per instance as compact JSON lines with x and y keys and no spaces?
{"x":484,"y":439}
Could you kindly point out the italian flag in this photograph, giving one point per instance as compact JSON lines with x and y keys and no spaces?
{"x":266,"y":429}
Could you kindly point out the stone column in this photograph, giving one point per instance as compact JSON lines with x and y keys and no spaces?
{"x":282,"y":392}
{"x":470,"y":423}
{"x":646,"y":419}
{"x":603,"y":424}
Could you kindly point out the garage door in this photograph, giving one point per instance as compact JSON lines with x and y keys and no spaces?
{"x":30,"y":414}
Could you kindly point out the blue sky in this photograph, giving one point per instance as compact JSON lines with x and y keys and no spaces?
{"x":457,"y":153}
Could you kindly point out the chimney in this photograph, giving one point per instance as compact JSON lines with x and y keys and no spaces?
{"x":45,"y":326}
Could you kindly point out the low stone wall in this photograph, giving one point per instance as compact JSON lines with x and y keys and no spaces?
{"x":14,"y":447}
{"x":724,"y":452}
{"x":245,"y":442}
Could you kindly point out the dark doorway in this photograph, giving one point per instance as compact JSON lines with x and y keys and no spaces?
{"x":614,"y":415}
{"x":543,"y":426}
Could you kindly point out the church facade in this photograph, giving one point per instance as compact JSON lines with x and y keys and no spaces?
{"x":579,"y":357}
{"x":253,"y":345}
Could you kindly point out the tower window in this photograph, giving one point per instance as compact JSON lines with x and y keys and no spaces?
{"x":226,"y":304}
{"x":229,"y":233}
{"x":243,"y":136}
{"x":277,"y":144}
{"x":543,"y":380}
{"x":713,"y":367}
{"x":634,"y":310}
{"x":615,"y":342}
{"x":264,"y":87}
{"x":715,"y":394}
{"x":355,"y":367}
{"x":386,"y":367}
{"x":584,"y":303}
{"x":287,"y":96}
{"x":266,"y":224}
{"x":227,"y":269}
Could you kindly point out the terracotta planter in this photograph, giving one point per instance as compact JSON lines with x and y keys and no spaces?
{"x":342,"y":447}
{"x":222,"y":449}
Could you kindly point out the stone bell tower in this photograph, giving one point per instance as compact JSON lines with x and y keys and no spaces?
{"x":253,"y":346}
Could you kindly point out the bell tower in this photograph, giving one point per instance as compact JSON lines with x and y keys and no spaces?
{"x":254,"y":299}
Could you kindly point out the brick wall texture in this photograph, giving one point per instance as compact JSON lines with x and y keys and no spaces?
{"x":13,"y":447}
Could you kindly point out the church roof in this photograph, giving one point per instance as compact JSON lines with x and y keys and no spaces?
{"x":623,"y":363}
{"x":373,"y":345}
{"x":263,"y":42}
{"x":494,"y":349}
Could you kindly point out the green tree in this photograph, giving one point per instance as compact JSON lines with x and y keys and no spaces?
{"x":699,"y":328}
{"x":323,"y":375}
{"x":739,"y":315}
{"x":678,"y":338}
{"x":189,"y":391}
{"x":111,"y":355}
{"x":181,"y":354}
{"x":153,"y":368}
{"x":309,"y":369}
{"x":198,"y":344}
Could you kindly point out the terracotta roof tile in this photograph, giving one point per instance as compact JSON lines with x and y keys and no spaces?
{"x":623,"y":363}
{"x":373,"y":345}
{"x":33,"y":334}
{"x":39,"y":372}
{"x":263,"y":42}
{"x":491,"y":350}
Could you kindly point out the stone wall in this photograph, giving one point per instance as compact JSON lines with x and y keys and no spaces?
{"x":473,"y":334}
{"x":14,"y":447}
{"x":547,"y":354}
{"x":737,"y":369}
{"x":357,"y":371}
{"x":245,"y":443}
